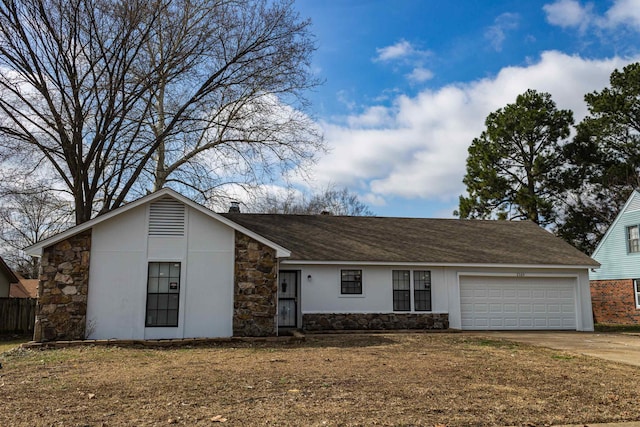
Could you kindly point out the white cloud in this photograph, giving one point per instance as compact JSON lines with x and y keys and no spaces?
{"x":624,"y":12}
{"x":567,"y":13}
{"x":373,"y":117}
{"x":373,"y":200}
{"x":573,"y":14}
{"x":420,"y":75}
{"x":417,"y":147}
{"x":399,"y":50}
{"x":496,"y":34}
{"x":404,"y":55}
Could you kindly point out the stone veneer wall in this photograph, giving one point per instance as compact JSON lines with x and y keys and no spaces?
{"x":63,"y":289}
{"x":613,"y":302}
{"x":369,"y":321}
{"x":255,"y":289}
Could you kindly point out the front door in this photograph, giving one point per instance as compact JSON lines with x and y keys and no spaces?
{"x":288,"y":299}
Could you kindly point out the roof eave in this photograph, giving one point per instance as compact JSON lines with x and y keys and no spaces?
{"x":440,"y":264}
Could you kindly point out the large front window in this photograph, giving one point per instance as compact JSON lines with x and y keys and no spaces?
{"x":163,"y":294}
{"x":403,"y":290}
{"x":636,"y":291}
{"x":633,"y":239}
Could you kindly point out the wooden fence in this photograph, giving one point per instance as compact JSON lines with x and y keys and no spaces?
{"x":17,"y":315}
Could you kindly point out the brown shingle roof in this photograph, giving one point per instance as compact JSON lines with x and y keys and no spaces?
{"x":420,"y":240}
{"x":25,"y":288}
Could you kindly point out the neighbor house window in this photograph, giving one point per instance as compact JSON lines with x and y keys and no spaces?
{"x":163,"y":294}
{"x":636,"y":291}
{"x":422,"y":290}
{"x":633,"y":238}
{"x":351,"y":282}
{"x":401,"y":290}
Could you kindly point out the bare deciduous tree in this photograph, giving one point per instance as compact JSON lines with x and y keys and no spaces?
{"x":332,"y":201}
{"x":117,"y":96}
{"x":29,"y":214}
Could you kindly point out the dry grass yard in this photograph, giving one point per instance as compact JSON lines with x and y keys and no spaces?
{"x":332,"y":380}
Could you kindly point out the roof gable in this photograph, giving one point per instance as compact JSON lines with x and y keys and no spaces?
{"x":7,"y":272}
{"x":25,"y":288}
{"x":36,"y":249}
{"x":632,"y":204}
{"x":413,"y":240}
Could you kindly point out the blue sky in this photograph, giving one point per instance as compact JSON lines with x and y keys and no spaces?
{"x":408,"y":83}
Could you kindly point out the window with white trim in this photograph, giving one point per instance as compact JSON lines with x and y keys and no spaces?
{"x":351,"y":282}
{"x":163,"y":294}
{"x":636,"y":291}
{"x":633,"y":239}
{"x":408,"y":293}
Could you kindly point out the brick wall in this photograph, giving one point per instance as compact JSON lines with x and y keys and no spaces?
{"x":255,"y":288}
{"x":614,"y":302}
{"x":62,"y":293}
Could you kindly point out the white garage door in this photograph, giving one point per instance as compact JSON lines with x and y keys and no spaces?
{"x":489,"y":302}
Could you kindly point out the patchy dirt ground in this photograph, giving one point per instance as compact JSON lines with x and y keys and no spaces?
{"x":345,"y":380}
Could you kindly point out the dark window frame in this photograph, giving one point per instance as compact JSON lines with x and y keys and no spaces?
{"x":419,"y":290}
{"x":351,"y":281}
{"x":422,"y":295}
{"x":401,"y":290}
{"x":636,"y":292}
{"x":633,"y":245}
{"x":163,"y":294}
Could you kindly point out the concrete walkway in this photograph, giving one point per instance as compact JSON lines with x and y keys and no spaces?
{"x":617,"y":347}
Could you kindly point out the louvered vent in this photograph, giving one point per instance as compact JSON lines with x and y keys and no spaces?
{"x":166,"y":218}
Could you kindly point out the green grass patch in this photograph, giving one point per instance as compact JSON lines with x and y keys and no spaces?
{"x":563,"y":357}
{"x":8,"y":345}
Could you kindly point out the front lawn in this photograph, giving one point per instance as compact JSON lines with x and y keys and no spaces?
{"x":349,"y":380}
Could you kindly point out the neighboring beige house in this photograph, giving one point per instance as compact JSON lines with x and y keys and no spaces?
{"x":6,"y":279}
{"x":166,"y":267}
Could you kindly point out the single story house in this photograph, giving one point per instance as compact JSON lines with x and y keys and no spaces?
{"x":164,"y":266}
{"x":24,"y":288}
{"x":7,"y":277}
{"x":615,"y":286}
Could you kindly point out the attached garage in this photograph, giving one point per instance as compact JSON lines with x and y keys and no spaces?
{"x":512,"y":303}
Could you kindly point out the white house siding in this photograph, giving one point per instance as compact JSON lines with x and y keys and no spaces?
{"x":120,"y":253}
{"x":209,"y":284}
{"x":117,"y":275}
{"x":321,"y":294}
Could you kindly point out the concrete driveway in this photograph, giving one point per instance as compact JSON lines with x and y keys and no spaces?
{"x":624,"y":348}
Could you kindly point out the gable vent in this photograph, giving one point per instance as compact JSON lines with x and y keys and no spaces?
{"x":166,"y":218}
